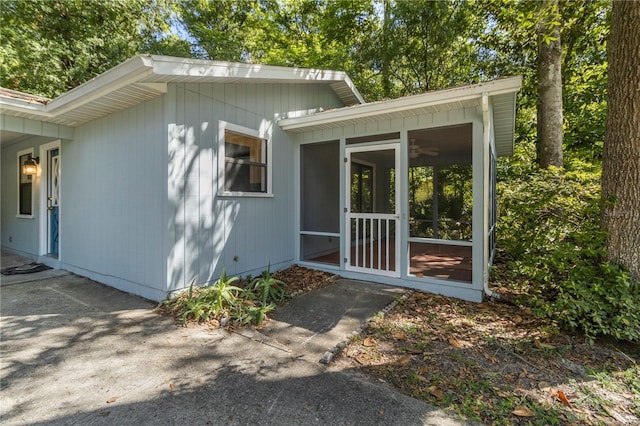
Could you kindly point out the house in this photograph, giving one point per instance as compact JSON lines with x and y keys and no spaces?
{"x":163,"y":169}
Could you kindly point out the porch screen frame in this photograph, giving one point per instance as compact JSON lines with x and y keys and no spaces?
{"x":300,"y":203}
{"x":396,"y":146}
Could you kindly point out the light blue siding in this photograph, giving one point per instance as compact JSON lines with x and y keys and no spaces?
{"x":113,"y":194}
{"x":140,"y":209}
{"x":242,"y":234}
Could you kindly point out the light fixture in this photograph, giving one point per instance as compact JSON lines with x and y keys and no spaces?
{"x":30,"y":167}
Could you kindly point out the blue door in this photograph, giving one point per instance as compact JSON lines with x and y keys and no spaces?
{"x":53,"y":200}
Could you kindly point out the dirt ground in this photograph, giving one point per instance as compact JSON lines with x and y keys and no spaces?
{"x":498,"y":364}
{"x":491,"y":362}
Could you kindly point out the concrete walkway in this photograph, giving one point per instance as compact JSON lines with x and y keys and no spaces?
{"x":77,"y":352}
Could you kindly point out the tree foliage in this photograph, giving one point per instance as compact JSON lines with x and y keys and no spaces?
{"x":49,"y":47}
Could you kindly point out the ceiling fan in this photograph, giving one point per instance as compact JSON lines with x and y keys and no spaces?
{"x":416,"y":150}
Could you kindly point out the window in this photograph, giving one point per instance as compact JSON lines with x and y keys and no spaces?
{"x":25,"y":185}
{"x":245,"y":161}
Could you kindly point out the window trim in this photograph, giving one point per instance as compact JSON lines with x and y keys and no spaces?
{"x":223,"y":126}
{"x":28,"y":151}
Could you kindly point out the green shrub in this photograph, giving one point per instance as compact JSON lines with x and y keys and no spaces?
{"x":267,"y":288}
{"x":552,"y":251}
{"x":222,"y":299}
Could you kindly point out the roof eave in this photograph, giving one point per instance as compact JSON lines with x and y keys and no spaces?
{"x":458,"y":94}
{"x":137,"y":69}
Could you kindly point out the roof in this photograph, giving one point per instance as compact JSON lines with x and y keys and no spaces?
{"x":26,"y":97}
{"x":502,"y":93}
{"x":145,"y":77}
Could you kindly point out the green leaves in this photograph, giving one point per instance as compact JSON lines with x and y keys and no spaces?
{"x":51,"y":47}
{"x":222,"y":300}
{"x":267,"y":288}
{"x":551,"y":249}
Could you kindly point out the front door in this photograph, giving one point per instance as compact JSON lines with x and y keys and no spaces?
{"x":53,"y":201}
{"x":372,"y":210}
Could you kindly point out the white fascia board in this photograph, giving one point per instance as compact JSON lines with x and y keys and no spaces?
{"x":19,"y":105}
{"x":170,"y":66}
{"x":116,"y":78}
{"x":353,"y":88}
{"x":458,"y":94}
{"x":120,"y":76}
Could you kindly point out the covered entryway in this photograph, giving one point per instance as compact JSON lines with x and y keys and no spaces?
{"x":32,"y":208}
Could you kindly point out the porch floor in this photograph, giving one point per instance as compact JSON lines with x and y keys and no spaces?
{"x":426,"y":260}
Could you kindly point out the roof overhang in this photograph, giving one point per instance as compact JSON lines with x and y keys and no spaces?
{"x":146,"y":76}
{"x":502,"y":93}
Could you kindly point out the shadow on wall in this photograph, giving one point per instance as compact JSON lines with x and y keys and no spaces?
{"x":208,"y":232}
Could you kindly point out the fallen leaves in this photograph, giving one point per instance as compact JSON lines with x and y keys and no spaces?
{"x":563,"y":398}
{"x":369,"y":341}
{"x":421,"y":378}
{"x":400,"y":335}
{"x":459,"y":343}
{"x":487,"y":356}
{"x":404,"y":360}
{"x":491,"y":358}
{"x":523,"y":411}
{"x":364,"y":360}
{"x":541,"y":345}
{"x":433,"y":390}
{"x":300,"y":279}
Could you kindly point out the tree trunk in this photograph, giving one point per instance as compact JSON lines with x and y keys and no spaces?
{"x":621,"y":157}
{"x":549,"y":86}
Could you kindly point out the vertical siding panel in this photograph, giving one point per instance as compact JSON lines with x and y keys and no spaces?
{"x":176,"y":195}
{"x":280,"y":215}
{"x":229,"y":204}
{"x":192,"y":181}
{"x":108,"y":215}
{"x":456,"y":115}
{"x":219,"y":228}
{"x":150,"y":194}
{"x":113,"y":237}
{"x":425,"y":120}
{"x":159,"y":154}
{"x":241,"y":105}
{"x":137,"y":212}
{"x":205,"y":235}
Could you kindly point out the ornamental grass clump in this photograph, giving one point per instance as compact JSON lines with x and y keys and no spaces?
{"x":224,"y":301}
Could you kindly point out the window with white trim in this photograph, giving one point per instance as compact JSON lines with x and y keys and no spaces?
{"x":244,"y":161}
{"x":25,"y":185}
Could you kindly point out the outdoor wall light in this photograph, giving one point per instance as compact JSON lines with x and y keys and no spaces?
{"x":30,"y":167}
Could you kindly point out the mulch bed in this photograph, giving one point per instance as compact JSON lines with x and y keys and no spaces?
{"x":299,"y":279}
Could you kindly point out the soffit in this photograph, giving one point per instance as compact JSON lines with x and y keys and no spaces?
{"x":502,"y":93}
{"x":145,"y":77}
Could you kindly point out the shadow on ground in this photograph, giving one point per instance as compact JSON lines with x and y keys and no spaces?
{"x":77,"y":352}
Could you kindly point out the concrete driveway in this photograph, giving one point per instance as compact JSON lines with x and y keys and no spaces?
{"x":77,"y":352}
